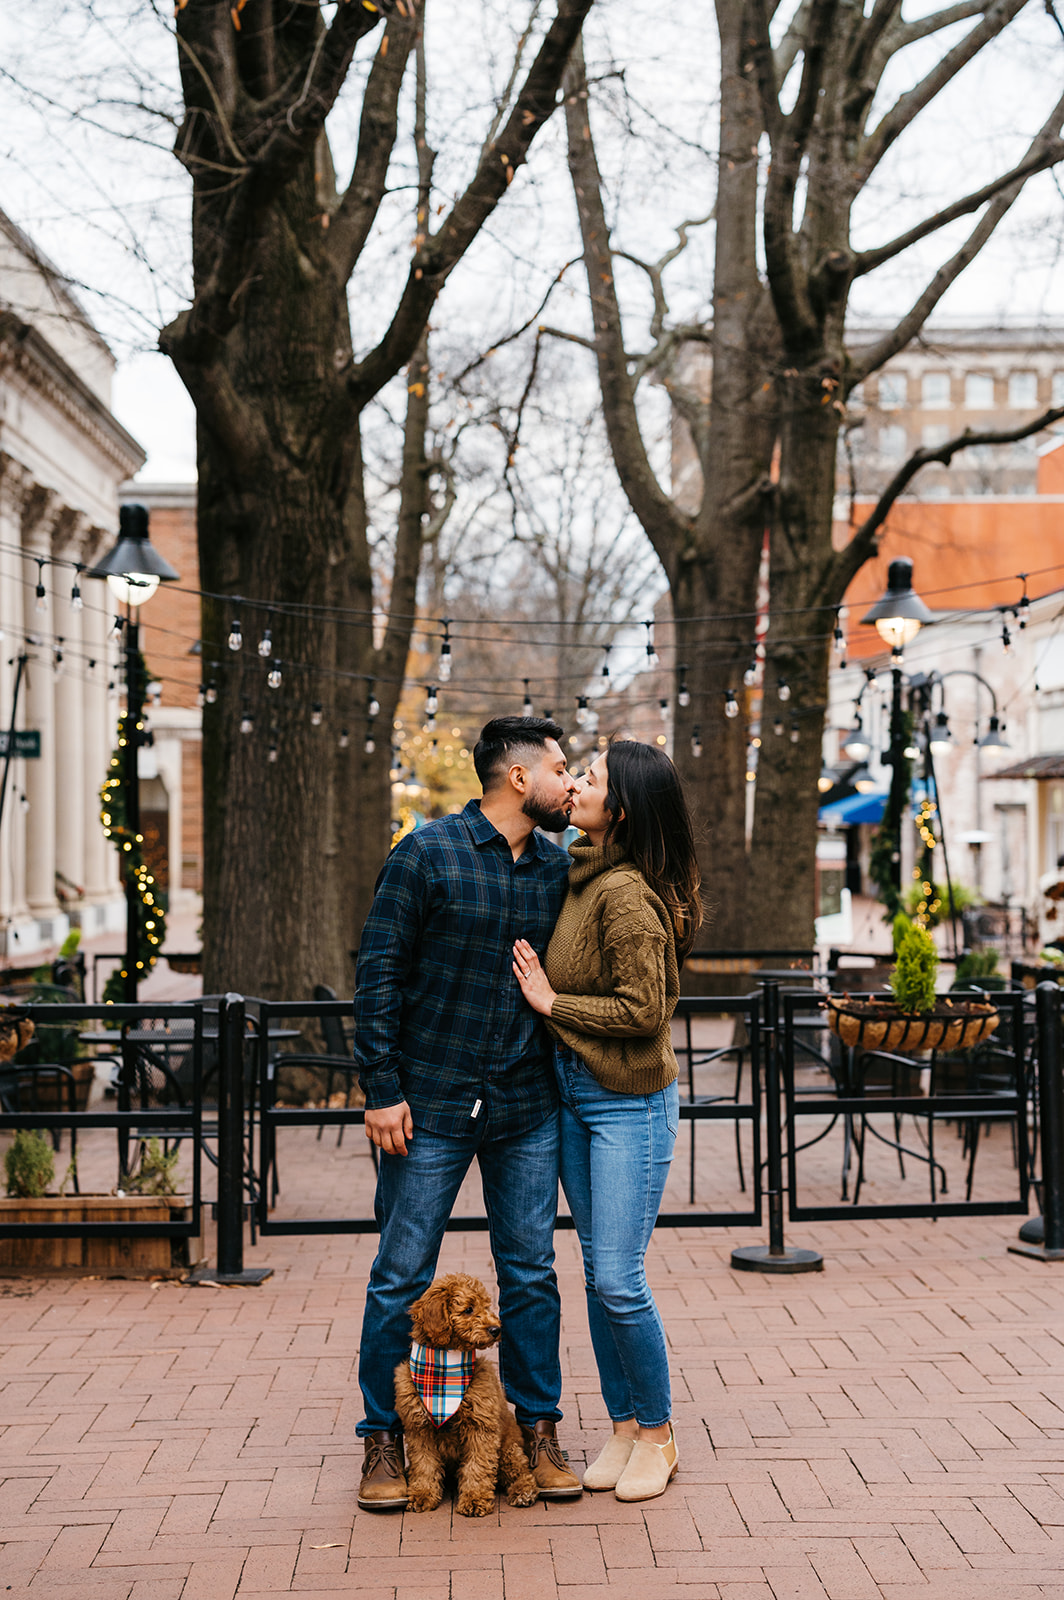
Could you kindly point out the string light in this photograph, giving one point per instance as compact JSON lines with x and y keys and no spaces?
{"x":606,"y":660}
{"x":273,"y":677}
{"x":151,"y":919}
{"x":731,"y":704}
{"x":777,"y":726}
{"x":526,"y":709}
{"x":783,"y":689}
{"x":42,"y":593}
{"x":316,"y":714}
{"x":266,"y":644}
{"x":794,"y":733}
{"x":582,"y":714}
{"x":235,"y":640}
{"x":432,"y":700}
{"x":247,"y":721}
{"x":76,"y":602}
{"x":1006,"y":638}
{"x":344,"y":739}
{"x":211,"y":693}
{"x":652,"y":654}
{"x":750,"y":675}
{"x":683,"y":693}
{"x":57,"y":658}
{"x":696,"y":741}
{"x":663,"y":710}
{"x":271,"y":753}
{"x":371,"y":743}
{"x":1023,"y":605}
{"x":373,"y":705}
{"x":444,"y":668}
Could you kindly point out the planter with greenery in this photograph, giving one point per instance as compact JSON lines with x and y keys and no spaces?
{"x":29,"y":1167}
{"x":918,"y":1019}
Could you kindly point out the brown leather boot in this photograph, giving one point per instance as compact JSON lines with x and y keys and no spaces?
{"x":549,"y":1463}
{"x":383,"y":1486}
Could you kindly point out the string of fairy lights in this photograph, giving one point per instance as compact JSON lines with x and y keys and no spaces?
{"x":758,"y":685}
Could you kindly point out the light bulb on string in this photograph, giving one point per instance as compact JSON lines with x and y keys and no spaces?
{"x":581,"y":710}
{"x":606,"y":660}
{"x":271,"y":754}
{"x":444,"y":667}
{"x":273,"y":677}
{"x":76,"y":602}
{"x":838,"y":638}
{"x":731,"y":704}
{"x":247,"y":721}
{"x":663,"y":710}
{"x":266,"y":644}
{"x":344,"y":739}
{"x":42,"y":593}
{"x":210,"y":694}
{"x":235,"y":640}
{"x":24,"y":802}
{"x":432,"y":700}
{"x":57,"y":658}
{"x":1023,"y":605}
{"x":430,"y":723}
{"x":1006,"y":638}
{"x":794,"y":733}
{"x":783,"y":689}
{"x":652,"y":654}
{"x":116,"y":628}
{"x":683,"y":693}
{"x":777,"y":727}
{"x":526,"y":709}
{"x":373,"y":705}
{"x":750,"y":675}
{"x":316,"y":714}
{"x":371,"y":743}
{"x":696,"y":741}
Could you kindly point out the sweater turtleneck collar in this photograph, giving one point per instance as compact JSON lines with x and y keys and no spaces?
{"x":591,"y":859}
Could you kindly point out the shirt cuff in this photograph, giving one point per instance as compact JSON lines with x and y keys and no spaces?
{"x":381,"y":1089}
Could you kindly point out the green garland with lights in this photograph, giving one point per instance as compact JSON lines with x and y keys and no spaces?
{"x":151,"y":923}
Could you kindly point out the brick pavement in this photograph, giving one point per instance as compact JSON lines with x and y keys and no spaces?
{"x":893,"y":1427}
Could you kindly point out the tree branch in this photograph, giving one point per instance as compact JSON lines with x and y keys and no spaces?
{"x":911,"y":32}
{"x":894,"y":122}
{"x":478,"y":361}
{"x":666,"y":527}
{"x":864,"y":542}
{"x":1045,"y":151}
{"x":413,"y":507}
{"x":354,"y":217}
{"x":434,"y":261}
{"x":218,"y":405}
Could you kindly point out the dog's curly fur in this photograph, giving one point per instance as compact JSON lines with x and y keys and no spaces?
{"x":482,"y":1440}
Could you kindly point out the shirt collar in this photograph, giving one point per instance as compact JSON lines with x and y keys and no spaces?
{"x":485,"y":832}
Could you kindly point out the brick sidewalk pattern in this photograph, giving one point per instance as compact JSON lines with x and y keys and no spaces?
{"x":892,"y":1427}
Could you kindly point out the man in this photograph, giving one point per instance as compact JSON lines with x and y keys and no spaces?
{"x":454,"y":1065}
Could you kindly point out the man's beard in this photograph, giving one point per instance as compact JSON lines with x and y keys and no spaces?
{"x":550,"y":819}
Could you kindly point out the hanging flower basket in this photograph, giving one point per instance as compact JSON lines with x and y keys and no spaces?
{"x":880,"y":1025}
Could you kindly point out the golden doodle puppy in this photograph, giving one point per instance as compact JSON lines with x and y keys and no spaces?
{"x":451,"y":1405}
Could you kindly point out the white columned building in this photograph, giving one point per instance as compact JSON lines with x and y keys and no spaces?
{"x":62,"y":457}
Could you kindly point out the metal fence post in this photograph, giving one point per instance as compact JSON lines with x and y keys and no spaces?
{"x":230,"y":1267}
{"x":778,"y":1257}
{"x":1046,"y":1243}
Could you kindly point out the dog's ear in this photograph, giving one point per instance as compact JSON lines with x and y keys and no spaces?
{"x":433,"y":1312}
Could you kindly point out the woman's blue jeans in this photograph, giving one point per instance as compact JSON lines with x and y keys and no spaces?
{"x":615,"y":1153}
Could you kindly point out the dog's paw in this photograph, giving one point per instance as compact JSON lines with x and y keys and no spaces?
{"x":423,"y":1500}
{"x":521,"y":1494}
{"x":474,"y":1505}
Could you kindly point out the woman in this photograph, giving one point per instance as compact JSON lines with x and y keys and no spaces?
{"x":608,"y":990}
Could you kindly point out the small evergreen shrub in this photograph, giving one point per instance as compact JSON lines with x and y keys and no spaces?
{"x":913,"y":978}
{"x":29,"y":1165}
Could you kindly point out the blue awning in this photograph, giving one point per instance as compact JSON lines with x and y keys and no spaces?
{"x":854,"y":809}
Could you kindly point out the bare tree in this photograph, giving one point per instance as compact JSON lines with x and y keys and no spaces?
{"x":280,"y":382}
{"x":766,"y":431}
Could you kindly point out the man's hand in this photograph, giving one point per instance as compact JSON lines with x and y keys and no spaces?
{"x":390,"y":1128}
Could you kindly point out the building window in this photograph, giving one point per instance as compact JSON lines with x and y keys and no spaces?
{"x":934,"y":434}
{"x":1023,"y":390}
{"x":934,"y":391}
{"x":892,"y":391}
{"x":979,"y":391}
{"x":893,"y":444}
{"x":1057,"y":396}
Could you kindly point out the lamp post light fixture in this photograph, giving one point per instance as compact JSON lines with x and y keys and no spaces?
{"x":133,"y":570}
{"x":994,"y":742}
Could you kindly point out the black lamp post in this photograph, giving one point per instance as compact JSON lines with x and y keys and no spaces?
{"x":133,"y":569}
{"x":898,"y":616}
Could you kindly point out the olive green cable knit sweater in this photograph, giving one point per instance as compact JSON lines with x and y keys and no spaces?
{"x":612,"y":960}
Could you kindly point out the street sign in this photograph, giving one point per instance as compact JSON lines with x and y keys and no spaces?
{"x":25,"y":742}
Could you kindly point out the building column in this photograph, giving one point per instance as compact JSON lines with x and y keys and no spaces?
{"x":38,"y":513}
{"x":69,"y":718}
{"x":13,"y":479}
{"x":100,"y":716}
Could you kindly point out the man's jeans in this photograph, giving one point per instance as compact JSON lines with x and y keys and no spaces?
{"x":615,"y":1156}
{"x":415,"y":1195}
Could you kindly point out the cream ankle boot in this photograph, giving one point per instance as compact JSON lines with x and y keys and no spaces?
{"x":649,"y":1470}
{"x":610,"y":1462}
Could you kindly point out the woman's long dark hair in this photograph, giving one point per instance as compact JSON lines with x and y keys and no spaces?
{"x":645,"y":798}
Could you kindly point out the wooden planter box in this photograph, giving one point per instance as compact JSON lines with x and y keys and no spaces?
{"x":137,"y":1257}
{"x":879,"y":1025}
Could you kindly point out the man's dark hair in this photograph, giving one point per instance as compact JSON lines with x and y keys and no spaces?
{"x":505,"y":738}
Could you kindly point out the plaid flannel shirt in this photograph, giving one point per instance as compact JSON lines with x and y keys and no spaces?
{"x":440,"y":1020}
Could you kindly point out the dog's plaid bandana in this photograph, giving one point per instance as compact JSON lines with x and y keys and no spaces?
{"x":441,"y":1378}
